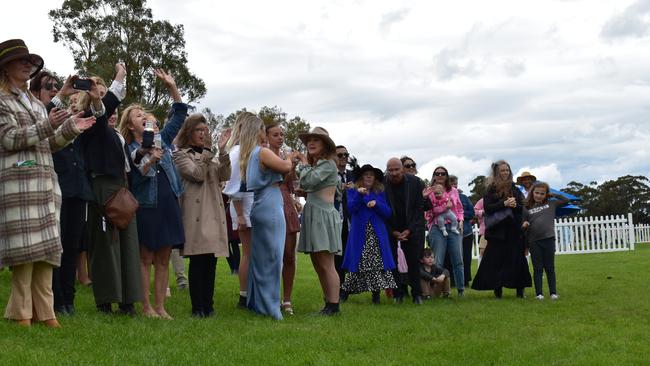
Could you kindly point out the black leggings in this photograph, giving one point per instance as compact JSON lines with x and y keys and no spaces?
{"x":542,"y":253}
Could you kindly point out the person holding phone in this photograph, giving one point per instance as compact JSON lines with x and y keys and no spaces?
{"x":157,"y":187}
{"x":113,"y":255}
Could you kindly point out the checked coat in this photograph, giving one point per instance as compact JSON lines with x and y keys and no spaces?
{"x":30,"y":197}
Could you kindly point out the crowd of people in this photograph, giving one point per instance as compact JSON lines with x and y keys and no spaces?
{"x":64,"y":160}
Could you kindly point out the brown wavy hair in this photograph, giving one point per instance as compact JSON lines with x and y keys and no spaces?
{"x":502,"y":188}
{"x":447,"y":184}
{"x":184,"y":137}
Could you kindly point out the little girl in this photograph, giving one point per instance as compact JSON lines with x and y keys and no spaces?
{"x":539,"y":221}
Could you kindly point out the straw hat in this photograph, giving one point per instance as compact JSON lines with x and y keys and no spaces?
{"x":322,"y":134}
{"x":14,"y":49}
{"x":526,"y":175}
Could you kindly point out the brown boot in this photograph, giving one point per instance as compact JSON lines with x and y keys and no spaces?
{"x":52,"y":323}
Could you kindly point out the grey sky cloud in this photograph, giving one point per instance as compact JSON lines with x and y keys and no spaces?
{"x":634,"y":21}
{"x":391,"y":18}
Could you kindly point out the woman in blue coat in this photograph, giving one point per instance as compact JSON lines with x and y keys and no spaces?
{"x":368,"y":258}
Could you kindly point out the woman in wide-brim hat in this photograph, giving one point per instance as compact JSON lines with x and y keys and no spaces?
{"x":368,"y":257}
{"x":320,"y":234}
{"x":30,"y":197}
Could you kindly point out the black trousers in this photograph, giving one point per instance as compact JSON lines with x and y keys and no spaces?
{"x":338,"y":259}
{"x":542,"y":253}
{"x":234,"y":256}
{"x":73,"y":221}
{"x":201,"y":276}
{"x":468,"y":241}
{"x":412,"y":252}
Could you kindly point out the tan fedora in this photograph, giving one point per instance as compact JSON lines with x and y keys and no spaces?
{"x":526,"y":175}
{"x":322,"y":134}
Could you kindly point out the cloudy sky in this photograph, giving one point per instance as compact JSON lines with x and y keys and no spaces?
{"x":560,"y":88}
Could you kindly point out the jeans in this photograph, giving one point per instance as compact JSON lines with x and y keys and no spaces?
{"x":542,"y":253}
{"x":451,"y":243}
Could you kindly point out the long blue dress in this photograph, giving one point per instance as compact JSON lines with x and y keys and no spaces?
{"x":268,"y":231}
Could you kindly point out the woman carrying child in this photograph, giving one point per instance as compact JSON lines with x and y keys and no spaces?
{"x":539,"y":223}
{"x":446,"y":238}
{"x":368,"y":258}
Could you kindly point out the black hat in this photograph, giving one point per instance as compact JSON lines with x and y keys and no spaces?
{"x":379,"y":175}
{"x":14,"y":49}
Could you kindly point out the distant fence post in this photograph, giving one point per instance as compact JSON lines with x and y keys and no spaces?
{"x":630,"y":228}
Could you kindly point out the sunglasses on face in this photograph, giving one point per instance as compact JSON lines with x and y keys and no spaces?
{"x":409,"y":166}
{"x":343,"y":155}
{"x":50,"y":86}
{"x":440,"y":174}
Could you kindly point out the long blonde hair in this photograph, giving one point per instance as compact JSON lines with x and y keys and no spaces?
{"x":126,"y":120}
{"x":83,"y":101}
{"x":250,"y":126}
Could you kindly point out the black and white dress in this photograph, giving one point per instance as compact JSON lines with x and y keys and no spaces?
{"x":371,"y":275}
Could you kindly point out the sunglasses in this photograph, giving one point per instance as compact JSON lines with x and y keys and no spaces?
{"x":409,"y":166}
{"x":343,"y":155}
{"x":50,"y":86}
{"x":440,"y":174}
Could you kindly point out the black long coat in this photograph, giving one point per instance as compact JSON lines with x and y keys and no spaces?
{"x":503,"y":263}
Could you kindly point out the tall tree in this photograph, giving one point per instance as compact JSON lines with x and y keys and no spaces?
{"x":101,"y":32}
{"x":478,"y":189}
{"x":292,"y":127}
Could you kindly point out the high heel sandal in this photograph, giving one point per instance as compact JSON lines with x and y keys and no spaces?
{"x":287,"y":308}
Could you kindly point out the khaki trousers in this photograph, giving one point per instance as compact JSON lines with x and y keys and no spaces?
{"x":435,"y":289}
{"x":31,"y":292}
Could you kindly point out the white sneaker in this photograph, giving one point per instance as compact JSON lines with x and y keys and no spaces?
{"x":554,"y":297}
{"x":541,"y":297}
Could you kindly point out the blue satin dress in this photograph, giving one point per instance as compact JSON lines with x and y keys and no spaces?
{"x":268,"y":232}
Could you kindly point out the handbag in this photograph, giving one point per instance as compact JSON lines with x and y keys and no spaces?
{"x":494,"y":219}
{"x":120,"y":207}
{"x":402,"y":267}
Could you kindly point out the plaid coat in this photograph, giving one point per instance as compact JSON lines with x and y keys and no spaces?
{"x":30,"y":197}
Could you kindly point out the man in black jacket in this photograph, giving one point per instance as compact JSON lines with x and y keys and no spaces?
{"x":407,"y":224}
{"x":341,"y":204}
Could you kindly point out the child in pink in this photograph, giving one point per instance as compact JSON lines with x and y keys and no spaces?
{"x":441,"y":212}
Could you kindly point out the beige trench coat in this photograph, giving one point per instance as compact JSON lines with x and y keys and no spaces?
{"x":204,"y":215}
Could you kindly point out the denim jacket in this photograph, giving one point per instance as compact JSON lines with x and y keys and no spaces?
{"x":145,"y":187}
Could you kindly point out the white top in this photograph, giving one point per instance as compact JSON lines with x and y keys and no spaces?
{"x":234,"y":184}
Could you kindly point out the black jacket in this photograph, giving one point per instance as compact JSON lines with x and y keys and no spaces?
{"x":70,"y":168}
{"x":415,"y":205}
{"x":102,"y":149}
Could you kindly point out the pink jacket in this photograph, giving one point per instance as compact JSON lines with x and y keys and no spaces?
{"x":479,"y":211}
{"x":439,"y":206}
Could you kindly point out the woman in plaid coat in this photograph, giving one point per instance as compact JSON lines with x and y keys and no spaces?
{"x":30,"y":197}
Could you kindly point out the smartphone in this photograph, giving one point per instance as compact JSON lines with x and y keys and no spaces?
{"x":82,"y":84}
{"x":157,"y":140}
{"x":147,"y":138}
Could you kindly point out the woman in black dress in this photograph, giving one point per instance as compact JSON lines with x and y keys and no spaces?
{"x":504,"y":261}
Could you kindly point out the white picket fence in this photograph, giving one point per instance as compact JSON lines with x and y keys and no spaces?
{"x":592,"y":235}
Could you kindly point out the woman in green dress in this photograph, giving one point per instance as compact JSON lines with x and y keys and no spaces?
{"x":320,"y":234}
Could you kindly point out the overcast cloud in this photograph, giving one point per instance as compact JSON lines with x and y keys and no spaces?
{"x":559,"y":88}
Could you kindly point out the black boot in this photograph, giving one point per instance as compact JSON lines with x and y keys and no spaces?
{"x":498,"y":292}
{"x":104,"y":308}
{"x":520,"y":293}
{"x":375,"y":297}
{"x":128,"y":310}
{"x":330,"y":309}
{"x":242,"y":302}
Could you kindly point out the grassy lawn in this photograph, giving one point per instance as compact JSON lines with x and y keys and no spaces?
{"x":601,"y":318}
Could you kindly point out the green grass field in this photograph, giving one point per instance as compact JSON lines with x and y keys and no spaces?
{"x":601,"y":318}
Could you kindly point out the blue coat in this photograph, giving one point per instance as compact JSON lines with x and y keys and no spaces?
{"x":360,"y":215}
{"x":145,"y":187}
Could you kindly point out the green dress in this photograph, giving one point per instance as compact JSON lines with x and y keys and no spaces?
{"x":321,"y":222}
